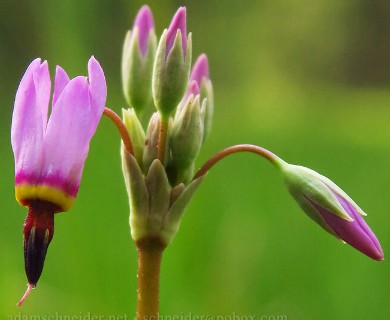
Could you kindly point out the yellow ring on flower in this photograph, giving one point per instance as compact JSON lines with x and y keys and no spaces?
{"x":25,"y":192}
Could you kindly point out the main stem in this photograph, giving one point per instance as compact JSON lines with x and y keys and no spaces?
{"x":150,"y":252}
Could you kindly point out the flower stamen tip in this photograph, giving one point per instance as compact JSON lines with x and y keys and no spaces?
{"x":26,"y":294}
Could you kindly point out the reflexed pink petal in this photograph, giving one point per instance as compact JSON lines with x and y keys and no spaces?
{"x":61,"y":80}
{"x":178,"y":23}
{"x":68,"y":133}
{"x":27,"y":125}
{"x":200,"y":69}
{"x":97,"y":90}
{"x":144,"y":22}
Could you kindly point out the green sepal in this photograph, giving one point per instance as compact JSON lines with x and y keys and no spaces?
{"x":304,"y":184}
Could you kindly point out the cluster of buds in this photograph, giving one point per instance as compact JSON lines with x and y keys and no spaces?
{"x":159,"y":172}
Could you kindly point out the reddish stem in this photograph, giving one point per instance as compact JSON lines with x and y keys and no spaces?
{"x":274,"y":159}
{"x":121,"y":128}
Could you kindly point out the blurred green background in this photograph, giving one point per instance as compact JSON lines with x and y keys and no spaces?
{"x":309,"y":80}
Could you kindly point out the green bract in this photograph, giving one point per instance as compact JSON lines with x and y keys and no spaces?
{"x":156,"y":208}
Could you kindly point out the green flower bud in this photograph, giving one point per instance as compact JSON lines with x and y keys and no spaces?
{"x":172,"y":66}
{"x":187,"y":133}
{"x":331,"y":208}
{"x":137,"y":61}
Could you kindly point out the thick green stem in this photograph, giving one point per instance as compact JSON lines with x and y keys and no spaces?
{"x":150,"y":252}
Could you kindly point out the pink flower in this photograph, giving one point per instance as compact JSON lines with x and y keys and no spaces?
{"x":50,"y":153}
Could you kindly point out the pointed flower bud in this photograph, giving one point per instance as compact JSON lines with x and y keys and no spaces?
{"x":200,"y":74}
{"x":137,"y":60}
{"x":172,"y":65}
{"x":187,"y":133}
{"x":50,"y":153}
{"x":331,"y":208}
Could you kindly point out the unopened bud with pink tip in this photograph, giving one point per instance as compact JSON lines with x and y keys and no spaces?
{"x":200,"y":75}
{"x":137,"y":60}
{"x":186,"y":137}
{"x":331,"y":208}
{"x":172,"y":65}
